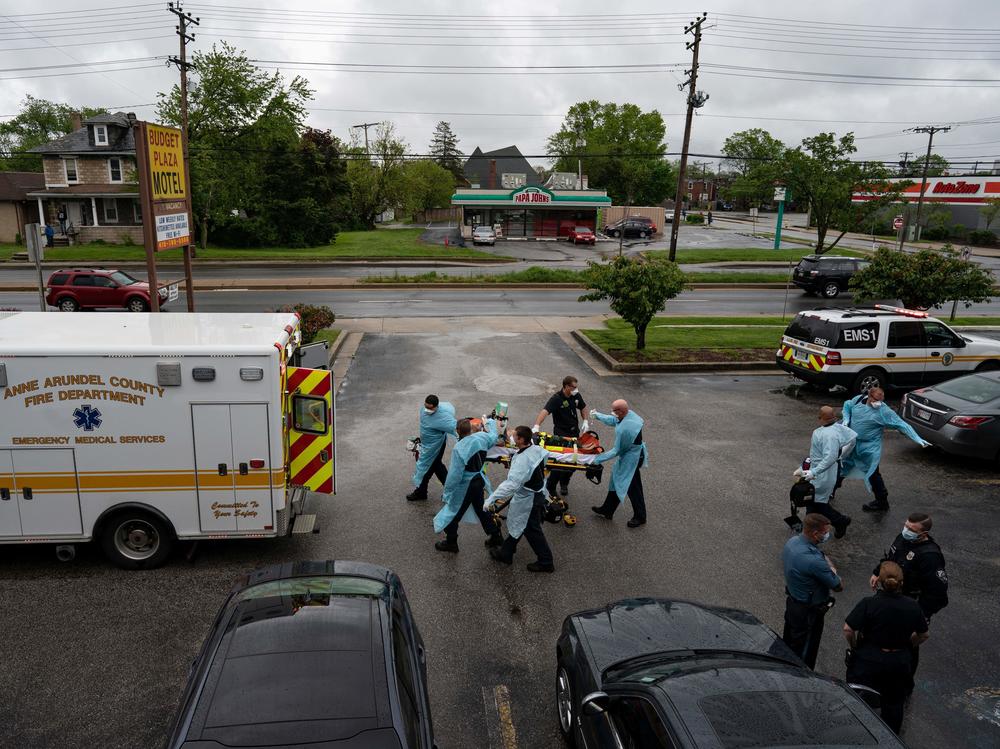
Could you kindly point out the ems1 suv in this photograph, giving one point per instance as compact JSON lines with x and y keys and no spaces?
{"x":881,"y":346}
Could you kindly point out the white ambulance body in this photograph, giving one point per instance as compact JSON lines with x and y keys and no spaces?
{"x":138,"y":429}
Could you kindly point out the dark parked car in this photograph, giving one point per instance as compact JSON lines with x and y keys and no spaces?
{"x":317,"y":654}
{"x":826,"y":274}
{"x":74,"y":289}
{"x":961,"y":416}
{"x":631,"y":227}
{"x":654,"y":673}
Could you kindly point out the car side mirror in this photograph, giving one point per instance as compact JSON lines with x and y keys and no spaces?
{"x":870,"y":697}
{"x":595,"y":703}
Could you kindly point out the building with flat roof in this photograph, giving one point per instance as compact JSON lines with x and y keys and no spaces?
{"x":964,"y":197}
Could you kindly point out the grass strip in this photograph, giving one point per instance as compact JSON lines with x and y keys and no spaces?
{"x":740,"y":254}
{"x":536,"y":275}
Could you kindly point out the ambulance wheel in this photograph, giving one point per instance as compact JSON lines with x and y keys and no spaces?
{"x":136,"y":540}
{"x":831,"y":290}
{"x":868,"y":379}
{"x":66,"y":304}
{"x":565,"y":705}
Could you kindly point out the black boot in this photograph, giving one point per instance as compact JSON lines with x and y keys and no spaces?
{"x":841,"y":528}
{"x":879,"y":504}
{"x":499,"y":556}
{"x":447,"y":544}
{"x":600,"y":511}
{"x":494,"y":541}
{"x":416,"y":495}
{"x":539,"y":567}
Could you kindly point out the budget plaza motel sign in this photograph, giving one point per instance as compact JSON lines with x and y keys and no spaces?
{"x":165,"y":195}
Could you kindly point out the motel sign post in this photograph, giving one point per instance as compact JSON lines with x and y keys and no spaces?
{"x":166,"y":202}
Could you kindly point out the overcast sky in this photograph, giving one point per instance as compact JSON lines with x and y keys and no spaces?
{"x":894,"y":39}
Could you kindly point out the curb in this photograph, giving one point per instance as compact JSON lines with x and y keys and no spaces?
{"x":337,"y":344}
{"x":676,"y":367}
{"x":251,"y":285}
{"x":406,"y":261}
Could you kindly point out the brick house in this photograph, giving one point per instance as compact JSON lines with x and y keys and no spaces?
{"x":16,"y":209}
{"x":90,"y":178}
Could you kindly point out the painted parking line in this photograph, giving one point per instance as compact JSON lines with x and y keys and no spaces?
{"x":499,"y":720}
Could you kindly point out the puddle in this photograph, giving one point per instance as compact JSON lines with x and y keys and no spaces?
{"x":512,"y":384}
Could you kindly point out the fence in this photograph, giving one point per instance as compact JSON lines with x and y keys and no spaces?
{"x":617,"y":212}
{"x":453,"y":215}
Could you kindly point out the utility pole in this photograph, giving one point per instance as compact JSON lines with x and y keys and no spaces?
{"x":695,"y":100}
{"x":930,"y":130}
{"x":183,"y":19}
{"x":365,"y":125}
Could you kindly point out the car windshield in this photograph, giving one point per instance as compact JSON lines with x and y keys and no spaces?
{"x":975,"y":388}
{"x":482,"y":230}
{"x":122,"y":279}
{"x":313,"y":586}
{"x":581,"y":230}
{"x":743,"y":720}
{"x":812,"y":330}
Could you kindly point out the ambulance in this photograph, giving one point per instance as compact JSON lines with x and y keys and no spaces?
{"x":139,"y":430}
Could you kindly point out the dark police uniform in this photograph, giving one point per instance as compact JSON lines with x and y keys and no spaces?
{"x":565,"y":423}
{"x":808,"y":582}
{"x":882,"y":659}
{"x":924,"y":576}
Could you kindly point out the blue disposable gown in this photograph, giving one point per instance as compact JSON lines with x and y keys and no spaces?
{"x":870,"y":424}
{"x":829,"y":444}
{"x":630,"y":456}
{"x":522,"y":466}
{"x":434,"y":431}
{"x":459,"y":479}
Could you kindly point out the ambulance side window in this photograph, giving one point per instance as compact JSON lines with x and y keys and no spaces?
{"x":908,"y":334}
{"x":309,"y":414}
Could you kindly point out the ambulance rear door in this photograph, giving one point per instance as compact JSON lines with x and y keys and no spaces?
{"x":309,"y":424}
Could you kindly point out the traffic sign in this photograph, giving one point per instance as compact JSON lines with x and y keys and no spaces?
{"x":897,"y":223}
{"x":779,"y":194}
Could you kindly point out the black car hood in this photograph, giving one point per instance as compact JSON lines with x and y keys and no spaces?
{"x":639,"y":626}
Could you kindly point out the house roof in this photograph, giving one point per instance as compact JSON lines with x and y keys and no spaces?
{"x":120,"y":138}
{"x":509,"y":161}
{"x":87,"y":191}
{"x":17,"y":185}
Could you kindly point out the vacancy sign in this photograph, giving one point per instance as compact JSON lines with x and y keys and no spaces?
{"x":165,"y":160}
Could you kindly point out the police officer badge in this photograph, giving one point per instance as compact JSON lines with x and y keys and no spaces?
{"x":909,"y":556}
{"x":948,"y":358}
{"x":942,"y":576}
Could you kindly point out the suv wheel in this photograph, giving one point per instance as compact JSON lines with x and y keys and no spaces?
{"x":68,"y":304}
{"x":989,"y":366}
{"x":137,"y":304}
{"x":831,"y":289}
{"x":643,"y":234}
{"x":615,"y":232}
{"x":868,"y":379}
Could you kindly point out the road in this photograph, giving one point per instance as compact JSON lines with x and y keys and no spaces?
{"x":95,"y":656}
{"x":375,"y":302}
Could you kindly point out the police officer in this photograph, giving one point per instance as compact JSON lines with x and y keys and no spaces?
{"x":564,"y":406}
{"x":924,"y":576}
{"x":883,"y":631}
{"x":809,"y":578}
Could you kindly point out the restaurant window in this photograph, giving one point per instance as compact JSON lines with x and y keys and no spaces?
{"x":110,"y":211}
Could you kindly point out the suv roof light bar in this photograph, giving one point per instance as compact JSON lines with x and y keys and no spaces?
{"x":901,"y":310}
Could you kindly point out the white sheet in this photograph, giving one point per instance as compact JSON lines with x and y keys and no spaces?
{"x":578,"y":458}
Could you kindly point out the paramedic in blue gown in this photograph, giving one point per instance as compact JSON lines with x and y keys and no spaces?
{"x":464,"y":489}
{"x":437,"y":423}
{"x":523,"y":486}
{"x":632,"y":456}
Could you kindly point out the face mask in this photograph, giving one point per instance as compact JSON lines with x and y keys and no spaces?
{"x":824,"y":538}
{"x":875,"y":404}
{"x":574,"y":391}
{"x":909,"y":535}
{"x":428,"y":410}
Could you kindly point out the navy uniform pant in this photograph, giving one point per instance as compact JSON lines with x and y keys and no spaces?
{"x":635,"y":495}
{"x":886,"y":673}
{"x":437,"y":468}
{"x":474,"y":496}
{"x":803,"y":629}
{"x":534,"y":535}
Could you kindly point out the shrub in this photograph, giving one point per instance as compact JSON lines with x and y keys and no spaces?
{"x":125,"y":238}
{"x":695,"y":218}
{"x":935,"y":233}
{"x":314,"y":318}
{"x":982,"y":238}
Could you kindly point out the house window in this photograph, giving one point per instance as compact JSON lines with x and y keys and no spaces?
{"x":137,"y":211}
{"x":110,"y":211}
{"x":690,"y":185}
{"x":71,"y":175}
{"x":100,"y":135}
{"x":115,"y":167}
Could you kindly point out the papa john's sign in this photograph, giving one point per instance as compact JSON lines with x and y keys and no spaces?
{"x":535,"y":195}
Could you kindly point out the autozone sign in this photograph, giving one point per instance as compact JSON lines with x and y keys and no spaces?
{"x":952,"y":188}
{"x":531,"y":195}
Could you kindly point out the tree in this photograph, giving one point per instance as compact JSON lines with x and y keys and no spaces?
{"x":377,"y":183}
{"x":38,"y":122}
{"x":620,"y":147}
{"x":637,"y":287}
{"x":754,"y":157}
{"x":922,"y":279}
{"x":936,"y":166}
{"x":822,"y":173}
{"x":991,"y":211}
{"x":237,"y":114}
{"x":444,"y":149}
{"x":427,"y":186}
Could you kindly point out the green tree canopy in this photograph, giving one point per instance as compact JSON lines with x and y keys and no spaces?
{"x":444,"y":149}
{"x":622,"y":150}
{"x":936,"y":166}
{"x":991,"y":211}
{"x":637,"y":287}
{"x":755,"y":159}
{"x":427,"y":185}
{"x":38,"y":122}
{"x":237,"y":114}
{"x":923,"y":279}
{"x":376,"y":183}
{"x":822,"y":173}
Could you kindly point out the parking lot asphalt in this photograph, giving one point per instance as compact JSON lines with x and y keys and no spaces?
{"x":94,"y":656}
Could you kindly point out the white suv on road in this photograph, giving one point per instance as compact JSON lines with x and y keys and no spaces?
{"x":883,"y":346}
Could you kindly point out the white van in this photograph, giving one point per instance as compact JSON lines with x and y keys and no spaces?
{"x":880,"y":346}
{"x":139,"y":429}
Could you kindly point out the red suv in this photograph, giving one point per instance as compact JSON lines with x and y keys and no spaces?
{"x":90,"y":288}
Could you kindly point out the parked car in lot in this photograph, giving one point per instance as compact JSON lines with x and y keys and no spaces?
{"x":484,"y":235}
{"x":317,"y":654}
{"x":827,"y":275}
{"x":74,"y":289}
{"x":880,"y":345}
{"x":581,"y":235}
{"x":960,"y":416}
{"x":654,"y":673}
{"x":631,"y":227}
